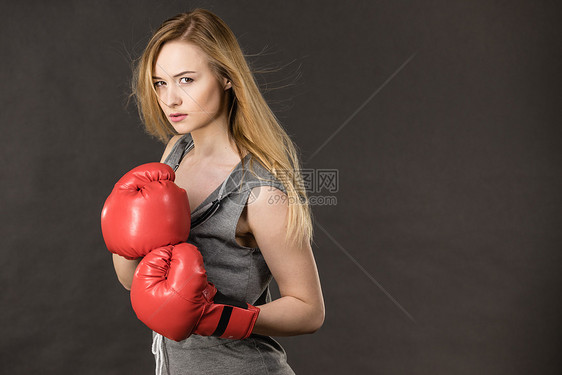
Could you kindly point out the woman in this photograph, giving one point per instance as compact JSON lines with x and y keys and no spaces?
{"x":192,"y":84}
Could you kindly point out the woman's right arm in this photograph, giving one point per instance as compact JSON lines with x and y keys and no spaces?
{"x":125,"y":268}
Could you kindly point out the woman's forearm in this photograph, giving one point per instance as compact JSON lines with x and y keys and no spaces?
{"x":288,"y":316}
{"x":125,"y":270}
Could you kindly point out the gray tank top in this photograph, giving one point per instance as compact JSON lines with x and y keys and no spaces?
{"x":237,"y":271}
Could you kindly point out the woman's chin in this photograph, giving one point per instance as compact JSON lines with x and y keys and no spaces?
{"x":181,"y":128}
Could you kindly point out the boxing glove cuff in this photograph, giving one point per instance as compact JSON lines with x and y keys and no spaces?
{"x":227,"y":318}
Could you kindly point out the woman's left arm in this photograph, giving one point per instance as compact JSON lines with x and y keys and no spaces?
{"x":300,"y":309}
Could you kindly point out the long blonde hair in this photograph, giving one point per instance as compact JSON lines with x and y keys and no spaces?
{"x":252,"y":124}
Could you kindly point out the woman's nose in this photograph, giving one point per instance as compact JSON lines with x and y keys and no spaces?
{"x":172,"y":96}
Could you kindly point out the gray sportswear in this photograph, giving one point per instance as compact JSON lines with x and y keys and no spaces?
{"x":237,"y":271}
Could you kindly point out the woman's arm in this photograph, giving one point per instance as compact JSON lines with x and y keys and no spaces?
{"x":300,"y":309}
{"x":125,"y":268}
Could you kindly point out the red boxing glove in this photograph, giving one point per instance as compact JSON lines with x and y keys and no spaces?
{"x":227,"y":318}
{"x":171,"y":295}
{"x":145,"y":210}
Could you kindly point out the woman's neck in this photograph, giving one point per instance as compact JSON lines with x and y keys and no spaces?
{"x":212,"y":143}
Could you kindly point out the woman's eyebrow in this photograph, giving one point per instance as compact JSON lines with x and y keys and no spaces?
{"x":177,"y":75}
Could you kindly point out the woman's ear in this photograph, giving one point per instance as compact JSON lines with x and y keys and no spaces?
{"x":227,"y":84}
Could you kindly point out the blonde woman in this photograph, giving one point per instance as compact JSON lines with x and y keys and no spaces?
{"x":250,"y":216}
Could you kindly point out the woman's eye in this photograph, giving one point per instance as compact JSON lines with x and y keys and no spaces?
{"x":158,"y":83}
{"x":186,"y":80}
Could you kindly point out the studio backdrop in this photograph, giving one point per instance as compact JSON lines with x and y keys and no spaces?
{"x":430,"y":135}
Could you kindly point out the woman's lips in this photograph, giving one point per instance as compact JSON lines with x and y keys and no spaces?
{"x":175,"y":117}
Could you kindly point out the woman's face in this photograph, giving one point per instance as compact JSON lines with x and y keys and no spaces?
{"x":188,"y":92}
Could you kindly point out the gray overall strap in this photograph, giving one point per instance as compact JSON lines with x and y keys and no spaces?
{"x":182,"y":146}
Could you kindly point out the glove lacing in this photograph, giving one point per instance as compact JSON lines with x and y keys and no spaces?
{"x":158,"y":351}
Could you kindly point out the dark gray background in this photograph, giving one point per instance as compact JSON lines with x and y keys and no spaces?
{"x":443,"y":253}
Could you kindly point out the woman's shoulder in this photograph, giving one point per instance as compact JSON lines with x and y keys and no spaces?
{"x":171,"y":143}
{"x":260,"y":175}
